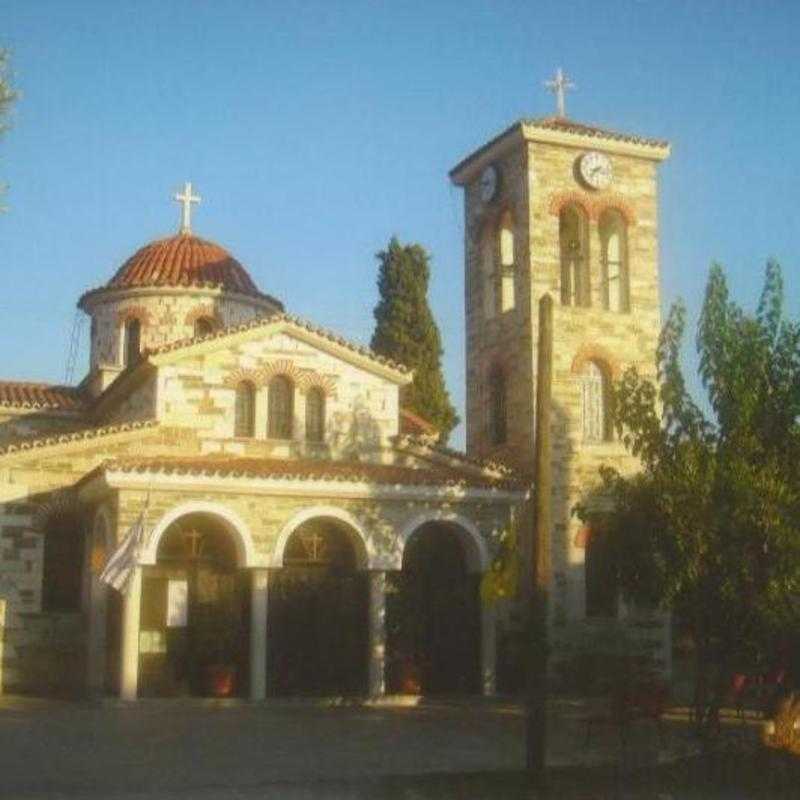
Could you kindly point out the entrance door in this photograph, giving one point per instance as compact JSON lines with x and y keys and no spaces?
{"x":194,"y":614}
{"x":433,"y":618}
{"x":317,"y":627}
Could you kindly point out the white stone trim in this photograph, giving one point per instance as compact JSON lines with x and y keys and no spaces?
{"x":309,"y":487}
{"x":475,"y":551}
{"x":246,"y":552}
{"x":365,"y":551}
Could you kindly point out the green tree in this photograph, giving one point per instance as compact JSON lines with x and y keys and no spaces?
{"x":7,"y":97}
{"x":710,"y":528}
{"x":406,"y":331}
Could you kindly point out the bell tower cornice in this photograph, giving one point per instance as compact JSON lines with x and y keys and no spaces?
{"x":558,"y":131}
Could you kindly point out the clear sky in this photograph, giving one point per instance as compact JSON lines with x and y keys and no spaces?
{"x":316,"y":130}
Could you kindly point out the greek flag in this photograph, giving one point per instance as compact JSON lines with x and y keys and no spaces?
{"x":119,"y":569}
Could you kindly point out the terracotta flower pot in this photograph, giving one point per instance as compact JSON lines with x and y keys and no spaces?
{"x":220,"y":680}
{"x":410,"y":678}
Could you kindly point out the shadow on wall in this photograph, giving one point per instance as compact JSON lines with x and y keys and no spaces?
{"x":356,"y":431}
{"x":34,"y":425}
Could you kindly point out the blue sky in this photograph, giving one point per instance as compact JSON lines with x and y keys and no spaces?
{"x":316,"y":130}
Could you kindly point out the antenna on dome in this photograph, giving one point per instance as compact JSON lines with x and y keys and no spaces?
{"x":186,"y":199}
{"x":73,"y":347}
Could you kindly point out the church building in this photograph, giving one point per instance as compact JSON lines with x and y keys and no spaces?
{"x":287,"y":527}
{"x":300,"y":533}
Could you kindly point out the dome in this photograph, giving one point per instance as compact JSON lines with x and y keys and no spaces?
{"x":183,"y":260}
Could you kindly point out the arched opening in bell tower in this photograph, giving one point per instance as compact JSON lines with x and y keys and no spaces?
{"x":573,"y":232}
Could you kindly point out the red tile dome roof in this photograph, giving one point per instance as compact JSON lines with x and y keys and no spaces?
{"x":183,"y":260}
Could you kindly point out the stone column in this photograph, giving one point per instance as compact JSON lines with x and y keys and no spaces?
{"x":131,"y":611}
{"x":96,"y":639}
{"x":488,"y":650}
{"x":376,"y":656}
{"x":259,"y":586}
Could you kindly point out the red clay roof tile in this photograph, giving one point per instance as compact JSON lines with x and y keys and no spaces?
{"x":183,"y":260}
{"x":26,"y":394}
{"x":312,"y":470}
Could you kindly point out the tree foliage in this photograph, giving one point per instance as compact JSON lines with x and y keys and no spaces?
{"x":710,"y":528}
{"x":406,"y":331}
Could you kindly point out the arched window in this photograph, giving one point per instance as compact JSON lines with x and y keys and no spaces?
{"x":132,"y":339}
{"x":506,"y":236}
{"x":573,"y":229}
{"x":595,"y":402}
{"x":315,"y":415}
{"x":244,"y":412}
{"x":498,"y":428}
{"x":204,"y":326}
{"x":614,"y":242}
{"x":488,"y":275}
{"x":63,"y":561}
{"x":281,"y":408}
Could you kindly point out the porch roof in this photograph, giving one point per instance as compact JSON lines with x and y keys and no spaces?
{"x":313,"y":470}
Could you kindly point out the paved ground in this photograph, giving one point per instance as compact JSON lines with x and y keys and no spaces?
{"x":202,"y":749}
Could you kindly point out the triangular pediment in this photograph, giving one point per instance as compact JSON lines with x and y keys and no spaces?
{"x":283,"y":335}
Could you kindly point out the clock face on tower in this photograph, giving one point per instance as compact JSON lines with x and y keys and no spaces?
{"x":595,"y":169}
{"x":489,"y":181}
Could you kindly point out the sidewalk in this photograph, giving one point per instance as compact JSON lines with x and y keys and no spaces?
{"x":231,"y":749}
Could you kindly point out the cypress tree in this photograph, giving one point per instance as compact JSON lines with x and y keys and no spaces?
{"x":406,"y":331}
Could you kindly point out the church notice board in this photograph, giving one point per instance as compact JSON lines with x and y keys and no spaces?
{"x":177,"y":603}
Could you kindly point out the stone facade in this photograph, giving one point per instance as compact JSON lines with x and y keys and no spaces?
{"x":538,"y":168}
{"x":361,"y":407}
{"x":166,"y":315}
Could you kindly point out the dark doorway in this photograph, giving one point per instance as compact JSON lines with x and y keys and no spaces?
{"x":433,"y":617}
{"x":317,"y":618}
{"x":195,"y":614}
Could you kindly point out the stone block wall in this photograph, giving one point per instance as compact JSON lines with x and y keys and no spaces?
{"x":44,"y":652}
{"x":538,"y":179}
{"x":504,"y":340}
{"x":198,"y":392}
{"x":165,"y":316}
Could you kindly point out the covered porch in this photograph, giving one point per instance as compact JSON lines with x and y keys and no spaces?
{"x":258,"y":592}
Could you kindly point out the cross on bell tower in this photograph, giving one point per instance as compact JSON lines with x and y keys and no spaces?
{"x":558,"y":86}
{"x":186,"y":199}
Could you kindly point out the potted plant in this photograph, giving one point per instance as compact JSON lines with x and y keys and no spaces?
{"x":216,"y":645}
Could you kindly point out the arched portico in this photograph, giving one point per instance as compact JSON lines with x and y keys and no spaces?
{"x":229,"y":519}
{"x":364,"y":551}
{"x":169,"y":589}
{"x":472,"y":542}
{"x":440,"y":638}
{"x":317,"y":631}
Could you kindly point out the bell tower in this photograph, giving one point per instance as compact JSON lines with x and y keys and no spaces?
{"x":556,"y":206}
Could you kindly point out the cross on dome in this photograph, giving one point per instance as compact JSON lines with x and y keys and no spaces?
{"x":560,"y":84}
{"x":186,"y":199}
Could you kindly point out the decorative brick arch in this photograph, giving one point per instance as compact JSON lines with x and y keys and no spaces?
{"x":133,"y":312}
{"x":598,"y":354}
{"x":233,"y":379}
{"x":314,"y":380}
{"x":203,"y":311}
{"x":614,"y":202}
{"x":282,"y":366}
{"x":58,"y":504}
{"x":560,"y":200}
